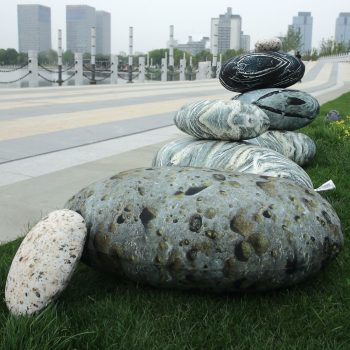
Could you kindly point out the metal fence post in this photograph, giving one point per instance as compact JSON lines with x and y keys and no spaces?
{"x":164,"y":70}
{"x":59,"y":57}
{"x":141,"y":69}
{"x":78,"y":65}
{"x":93,"y":56}
{"x":114,"y":69}
{"x":182,"y":68}
{"x":33,"y":68}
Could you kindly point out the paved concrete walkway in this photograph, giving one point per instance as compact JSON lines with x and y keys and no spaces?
{"x":54,"y":141}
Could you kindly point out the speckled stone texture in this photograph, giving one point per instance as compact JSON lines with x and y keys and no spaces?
{"x":287,"y":109}
{"x":221,"y":120}
{"x":230,"y":156}
{"x":296,"y":146}
{"x":206,"y":229}
{"x":261,"y":70}
{"x":273,"y":44}
{"x":45,"y":262}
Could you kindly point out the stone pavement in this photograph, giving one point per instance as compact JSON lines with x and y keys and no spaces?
{"x":54,"y":141}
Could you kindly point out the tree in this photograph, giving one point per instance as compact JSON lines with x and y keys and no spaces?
{"x":11,"y":56}
{"x":2,"y":56}
{"x":292,"y":40}
{"x":22,"y":58}
{"x":68,"y":57}
{"x":226,"y":55}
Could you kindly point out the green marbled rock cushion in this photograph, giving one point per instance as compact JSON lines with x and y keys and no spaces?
{"x":296,"y":146}
{"x":207,"y":229}
{"x":287,"y":109}
{"x":221,"y":120}
{"x":231,"y":156}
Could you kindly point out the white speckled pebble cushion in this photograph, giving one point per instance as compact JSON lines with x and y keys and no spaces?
{"x":45,"y":262}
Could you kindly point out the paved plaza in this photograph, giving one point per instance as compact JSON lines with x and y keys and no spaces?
{"x":56,"y":140}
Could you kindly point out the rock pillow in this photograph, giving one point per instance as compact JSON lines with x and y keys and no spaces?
{"x":287,"y":109}
{"x":273,"y":44}
{"x":45,"y":262}
{"x":261,"y":70}
{"x":207,"y":229}
{"x":296,"y":146}
{"x":223,"y":120}
{"x":230,"y":156}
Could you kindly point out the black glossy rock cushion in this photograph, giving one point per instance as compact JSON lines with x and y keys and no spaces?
{"x":261,"y":70}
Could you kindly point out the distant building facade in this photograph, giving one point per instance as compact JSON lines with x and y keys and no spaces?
{"x":229,"y":28}
{"x":245,"y":42}
{"x":79,"y":21}
{"x":194,"y":47}
{"x":342,"y":28}
{"x":103,"y":32}
{"x":303,"y":24}
{"x":34,"y":28}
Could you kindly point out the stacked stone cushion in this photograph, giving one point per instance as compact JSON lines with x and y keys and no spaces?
{"x":232,"y":156}
{"x":261,"y":70}
{"x":287,"y":109}
{"x":207,"y":229}
{"x":273,"y":44}
{"x":222,"y":120}
{"x":296,"y":146}
{"x":45,"y":262}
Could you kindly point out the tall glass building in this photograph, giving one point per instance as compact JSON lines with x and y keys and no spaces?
{"x":303,"y":24}
{"x":103,"y":32}
{"x":229,"y":31}
{"x":34,"y":28}
{"x":79,"y":21}
{"x":342,"y":28}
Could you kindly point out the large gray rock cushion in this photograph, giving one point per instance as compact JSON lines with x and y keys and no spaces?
{"x":230,"y":156}
{"x":287,"y":109}
{"x":296,"y":146}
{"x":221,"y":120}
{"x":207,"y":229}
{"x":259,"y":70}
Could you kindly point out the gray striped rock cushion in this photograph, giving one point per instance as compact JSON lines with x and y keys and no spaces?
{"x":233,"y":156}
{"x":221,"y":120}
{"x":296,"y":146}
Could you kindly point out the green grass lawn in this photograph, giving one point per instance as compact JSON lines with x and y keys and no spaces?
{"x":99,"y":312}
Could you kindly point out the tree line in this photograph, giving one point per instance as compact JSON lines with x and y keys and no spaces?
{"x":290,"y":42}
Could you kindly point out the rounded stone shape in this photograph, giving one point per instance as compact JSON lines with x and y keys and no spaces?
{"x":259,"y":70}
{"x":45,"y":262}
{"x":273,"y":44}
{"x":221,"y":120}
{"x":230,"y":156}
{"x":296,"y":146}
{"x":207,"y":229}
{"x":287,"y":109}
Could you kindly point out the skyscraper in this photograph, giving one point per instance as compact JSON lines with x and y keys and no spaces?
{"x":79,"y":21}
{"x":229,"y":31}
{"x":245,"y":42}
{"x":34,"y":28}
{"x":103,"y":32}
{"x":303,"y":24}
{"x":342,"y":28}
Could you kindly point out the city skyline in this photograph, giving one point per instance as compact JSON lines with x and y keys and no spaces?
{"x":151,"y":22}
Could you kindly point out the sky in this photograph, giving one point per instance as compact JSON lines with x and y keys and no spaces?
{"x":261,"y":19}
